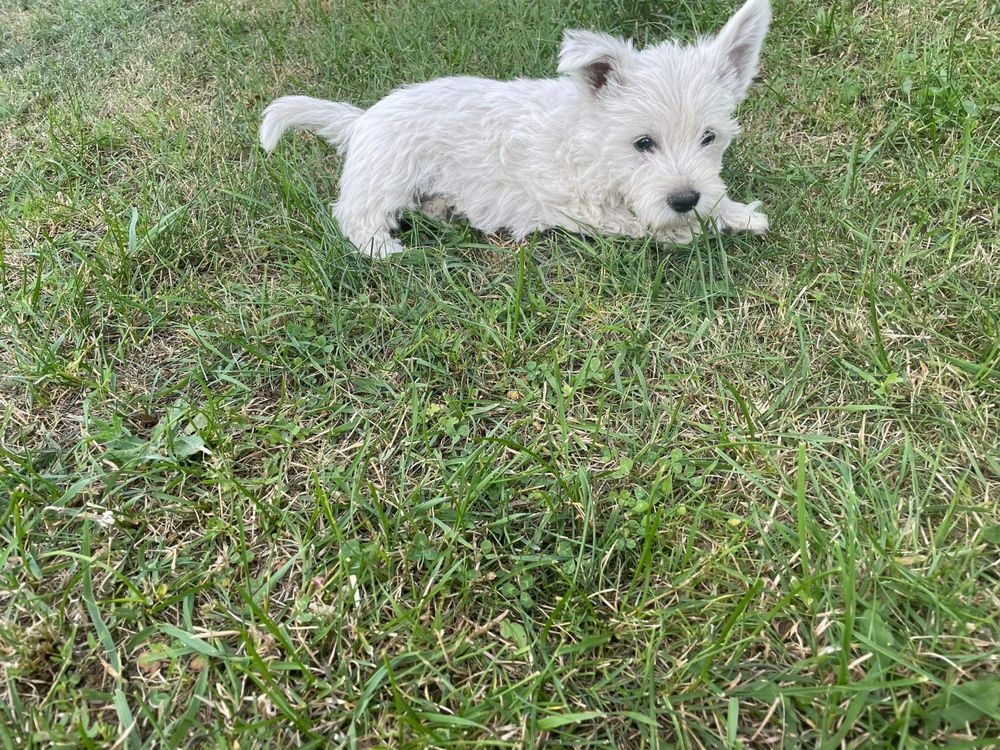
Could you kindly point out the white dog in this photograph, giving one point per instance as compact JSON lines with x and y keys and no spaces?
{"x":625,"y":141}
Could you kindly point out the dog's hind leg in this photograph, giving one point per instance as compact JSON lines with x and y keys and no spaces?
{"x":437,"y":207}
{"x":371,"y":234}
{"x":371,"y":200}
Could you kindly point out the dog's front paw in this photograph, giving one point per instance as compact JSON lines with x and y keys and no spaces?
{"x":741,"y":217}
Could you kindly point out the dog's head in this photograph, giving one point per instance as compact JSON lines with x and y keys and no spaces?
{"x":664,"y":114}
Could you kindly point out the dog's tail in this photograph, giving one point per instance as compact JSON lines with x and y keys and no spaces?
{"x":333,"y":121}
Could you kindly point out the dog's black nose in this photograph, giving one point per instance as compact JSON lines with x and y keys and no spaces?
{"x":683,"y":200}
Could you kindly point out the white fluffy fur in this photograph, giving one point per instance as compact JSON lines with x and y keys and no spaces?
{"x":527,"y":155}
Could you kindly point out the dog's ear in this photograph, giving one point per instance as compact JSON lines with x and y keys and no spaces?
{"x":738,"y":44}
{"x":593,"y":58}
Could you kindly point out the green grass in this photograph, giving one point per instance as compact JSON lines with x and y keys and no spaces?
{"x":257,"y":491}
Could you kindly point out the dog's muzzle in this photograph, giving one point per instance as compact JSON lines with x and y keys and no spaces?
{"x":683,"y":200}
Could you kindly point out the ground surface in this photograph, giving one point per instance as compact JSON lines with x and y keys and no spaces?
{"x":256,"y":491}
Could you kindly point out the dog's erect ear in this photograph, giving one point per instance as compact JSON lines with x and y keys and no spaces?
{"x":738,"y":44}
{"x":593,"y":58}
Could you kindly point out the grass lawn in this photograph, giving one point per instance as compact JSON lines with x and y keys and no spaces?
{"x":257,"y":491}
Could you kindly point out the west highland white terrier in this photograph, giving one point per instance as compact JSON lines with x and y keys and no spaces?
{"x":624,"y":141}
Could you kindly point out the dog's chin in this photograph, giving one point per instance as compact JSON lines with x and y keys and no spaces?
{"x":675,"y":222}
{"x":674,"y":227}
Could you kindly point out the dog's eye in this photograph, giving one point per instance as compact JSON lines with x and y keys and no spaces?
{"x":707,"y":138}
{"x":644,"y":143}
